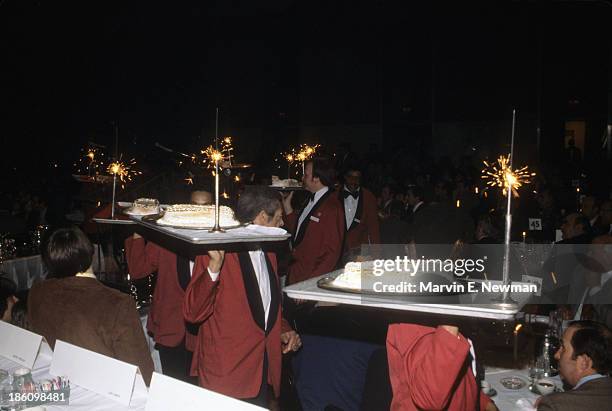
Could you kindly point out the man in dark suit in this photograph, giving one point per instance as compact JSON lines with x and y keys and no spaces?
{"x":237,"y":299}
{"x":318,"y":230}
{"x":359,"y":206}
{"x":585,"y":363}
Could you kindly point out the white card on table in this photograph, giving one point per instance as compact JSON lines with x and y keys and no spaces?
{"x":167,"y":393}
{"x":95,"y":372}
{"x":19,"y":345}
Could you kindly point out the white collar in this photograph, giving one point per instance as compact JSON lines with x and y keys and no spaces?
{"x":416,"y":206}
{"x":320,"y":194}
{"x":88,"y":274}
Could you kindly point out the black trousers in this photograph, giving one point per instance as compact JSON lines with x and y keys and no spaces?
{"x":176,"y":362}
{"x":262,"y":397}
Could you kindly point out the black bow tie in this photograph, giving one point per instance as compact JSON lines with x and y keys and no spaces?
{"x":348,"y":193}
{"x":311,"y":197}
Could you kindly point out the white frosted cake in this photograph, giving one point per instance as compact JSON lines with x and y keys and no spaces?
{"x":144,"y":206}
{"x":289,"y":182}
{"x":353,"y":274}
{"x":197,"y":216}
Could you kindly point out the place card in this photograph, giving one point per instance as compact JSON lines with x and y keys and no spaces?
{"x":19,"y":345}
{"x":167,"y":393}
{"x":95,"y":372}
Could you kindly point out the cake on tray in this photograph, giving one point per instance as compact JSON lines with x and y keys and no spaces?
{"x":289,"y":182}
{"x":197,"y":216}
{"x":143,"y":206}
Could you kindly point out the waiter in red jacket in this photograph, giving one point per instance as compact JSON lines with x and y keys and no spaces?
{"x":318,"y":230}
{"x":429,"y":370}
{"x":172,"y":335}
{"x":360,"y":212}
{"x":237,"y":299}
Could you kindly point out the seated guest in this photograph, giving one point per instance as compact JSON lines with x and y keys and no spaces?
{"x":7,"y":298}
{"x":237,"y":299}
{"x":73,"y":306}
{"x":174,"y":339}
{"x":575,"y":229}
{"x":429,"y":369}
{"x":585,"y":363}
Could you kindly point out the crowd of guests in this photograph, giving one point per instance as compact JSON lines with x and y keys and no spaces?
{"x":220,"y":317}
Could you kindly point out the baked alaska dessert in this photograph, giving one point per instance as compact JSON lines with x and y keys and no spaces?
{"x":144,"y":206}
{"x":197,"y":216}
{"x":289,"y":182}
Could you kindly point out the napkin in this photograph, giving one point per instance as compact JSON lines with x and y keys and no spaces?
{"x":266,"y":230}
{"x":525,"y":404}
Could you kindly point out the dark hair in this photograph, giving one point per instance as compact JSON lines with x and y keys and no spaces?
{"x":323,"y":169}
{"x":595,"y":340}
{"x":582,"y":220}
{"x":416,"y":191}
{"x":255,"y":199}
{"x":19,"y":315}
{"x":66,"y":252}
{"x":7,"y":289}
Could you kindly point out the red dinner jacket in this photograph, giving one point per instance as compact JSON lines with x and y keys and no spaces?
{"x":317,"y":247}
{"x":428,"y":370}
{"x":364,"y":227}
{"x":229,"y":352}
{"x":166,"y":321}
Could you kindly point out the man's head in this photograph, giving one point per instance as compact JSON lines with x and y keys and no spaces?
{"x":201,"y":197}
{"x":414,"y":195}
{"x":67,"y":252}
{"x":586,"y":349}
{"x":590,"y":207}
{"x":260,"y":205}
{"x":575,"y":224}
{"x":387,"y":193}
{"x":318,"y":173}
{"x":606,"y":212}
{"x":352,"y":179}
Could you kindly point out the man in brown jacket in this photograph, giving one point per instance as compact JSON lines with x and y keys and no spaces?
{"x":585,"y":363}
{"x":73,"y":306}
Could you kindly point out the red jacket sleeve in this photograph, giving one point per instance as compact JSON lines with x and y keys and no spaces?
{"x":200,"y":295}
{"x":142,"y":260}
{"x":441,"y":357}
{"x":290,"y":221}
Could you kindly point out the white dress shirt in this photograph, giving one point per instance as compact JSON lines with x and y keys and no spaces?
{"x":309,"y":207}
{"x":350,"y":207}
{"x":258,"y":259}
{"x":416,"y":206}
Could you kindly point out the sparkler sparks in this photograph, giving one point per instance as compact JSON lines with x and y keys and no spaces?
{"x":294,"y":156}
{"x":501,"y":175}
{"x":123,"y":170}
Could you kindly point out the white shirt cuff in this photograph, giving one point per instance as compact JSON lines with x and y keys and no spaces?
{"x":213,"y":276}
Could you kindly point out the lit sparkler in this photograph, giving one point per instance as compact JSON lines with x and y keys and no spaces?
{"x":500,"y":174}
{"x":124,"y":171}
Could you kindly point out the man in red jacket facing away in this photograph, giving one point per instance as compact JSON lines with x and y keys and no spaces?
{"x":360,"y":212}
{"x":429,"y":371}
{"x":237,"y":299}
{"x":318,"y":231}
{"x":172,"y":336}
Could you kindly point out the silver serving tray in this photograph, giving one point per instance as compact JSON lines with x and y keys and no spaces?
{"x":292,"y":188}
{"x":327,"y":283}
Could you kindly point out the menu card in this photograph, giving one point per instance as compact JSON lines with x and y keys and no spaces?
{"x":167,"y":393}
{"x":19,"y":345}
{"x":95,"y":372}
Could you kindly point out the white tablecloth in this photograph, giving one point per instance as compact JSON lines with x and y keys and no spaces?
{"x":24,"y":271}
{"x":80,"y":398}
{"x":506,"y":399}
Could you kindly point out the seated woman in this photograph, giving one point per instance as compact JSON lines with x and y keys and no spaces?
{"x":71,"y":305}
